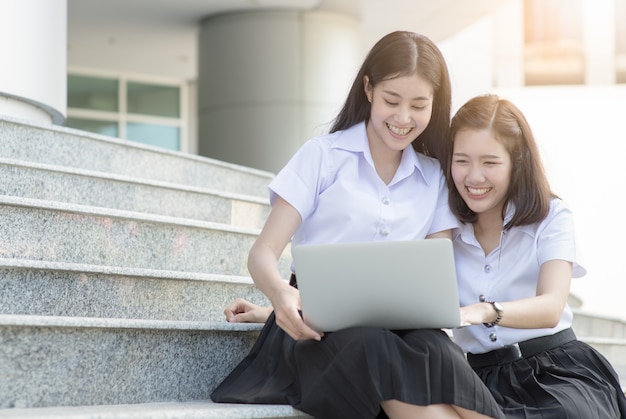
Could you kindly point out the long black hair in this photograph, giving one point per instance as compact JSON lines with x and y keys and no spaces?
{"x":400,"y":54}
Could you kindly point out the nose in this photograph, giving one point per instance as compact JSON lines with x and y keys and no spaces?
{"x":403,"y":116}
{"x":475,"y":174}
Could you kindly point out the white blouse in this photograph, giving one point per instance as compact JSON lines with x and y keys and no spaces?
{"x":511,"y":272}
{"x":332,"y":182}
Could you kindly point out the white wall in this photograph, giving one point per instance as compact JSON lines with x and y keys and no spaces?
{"x":583,"y":141}
{"x":582,"y":137}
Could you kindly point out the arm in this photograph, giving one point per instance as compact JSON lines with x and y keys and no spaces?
{"x":280,"y":226}
{"x":541,"y":311}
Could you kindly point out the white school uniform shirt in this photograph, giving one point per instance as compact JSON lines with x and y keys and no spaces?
{"x":332,"y":183}
{"x":511,"y":272}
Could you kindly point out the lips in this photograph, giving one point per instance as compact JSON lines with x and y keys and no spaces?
{"x":399,"y":131}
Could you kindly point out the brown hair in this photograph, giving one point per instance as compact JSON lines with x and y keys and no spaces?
{"x":402,"y":54}
{"x":529,"y":190}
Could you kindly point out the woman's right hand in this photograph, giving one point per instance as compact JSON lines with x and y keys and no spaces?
{"x":243,"y":311}
{"x":286,"y":303}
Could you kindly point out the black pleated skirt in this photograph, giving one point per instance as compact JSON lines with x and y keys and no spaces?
{"x":350,"y":372}
{"x":571,"y":381}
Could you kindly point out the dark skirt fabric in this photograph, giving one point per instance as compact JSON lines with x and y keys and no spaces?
{"x":350,"y":372}
{"x":571,"y":381}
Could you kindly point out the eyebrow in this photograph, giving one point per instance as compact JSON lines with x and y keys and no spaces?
{"x":486,"y":156}
{"x":392,"y":93}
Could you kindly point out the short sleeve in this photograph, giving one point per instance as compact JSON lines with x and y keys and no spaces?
{"x":556,"y":237}
{"x":444,"y":219}
{"x":299,"y":182}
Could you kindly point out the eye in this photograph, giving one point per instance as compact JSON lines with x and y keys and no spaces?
{"x":419,"y":108}
{"x":390,"y":103}
{"x":459,"y":161}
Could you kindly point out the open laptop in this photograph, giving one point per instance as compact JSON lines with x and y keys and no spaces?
{"x":393,"y":285}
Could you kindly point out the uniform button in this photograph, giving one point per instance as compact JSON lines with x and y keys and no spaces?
{"x":386,"y":200}
{"x":487,"y":269}
{"x":482,"y":298}
{"x":384,"y":231}
{"x":493,"y":337}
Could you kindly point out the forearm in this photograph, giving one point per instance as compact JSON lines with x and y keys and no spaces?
{"x":263,"y":267}
{"x":538,"y":312}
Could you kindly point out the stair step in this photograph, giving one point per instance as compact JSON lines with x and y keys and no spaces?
{"x":36,"y":287}
{"x":591,"y":324}
{"x":88,"y":187}
{"x":59,"y":232}
{"x":61,"y":146}
{"x":171,"y":410}
{"x":68,"y":361}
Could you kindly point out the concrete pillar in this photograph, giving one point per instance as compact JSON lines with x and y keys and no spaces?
{"x":267,"y":81}
{"x":509,"y":44}
{"x":599,"y":41}
{"x":33,"y":75}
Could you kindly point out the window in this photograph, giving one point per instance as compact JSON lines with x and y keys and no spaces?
{"x":137,"y":110}
{"x":553,"y":42}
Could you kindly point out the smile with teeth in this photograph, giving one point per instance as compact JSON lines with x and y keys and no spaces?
{"x":398,"y":130}
{"x":478,"y":191}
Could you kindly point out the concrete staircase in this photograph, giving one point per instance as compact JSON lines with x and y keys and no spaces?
{"x":116,"y":261}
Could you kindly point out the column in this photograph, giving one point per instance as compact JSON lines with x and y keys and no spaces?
{"x":267,"y":81}
{"x":599,"y":41}
{"x":33,"y":75}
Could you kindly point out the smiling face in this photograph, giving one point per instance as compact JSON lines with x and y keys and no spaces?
{"x":481,"y":170}
{"x":401,"y":110}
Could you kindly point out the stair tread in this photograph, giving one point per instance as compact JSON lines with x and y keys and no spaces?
{"x":121,"y":270}
{"x":134,"y":180}
{"x":28,"y":320}
{"x":164,"y":410}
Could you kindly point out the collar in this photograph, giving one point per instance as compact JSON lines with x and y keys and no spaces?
{"x":354,"y":139}
{"x":466,"y":231}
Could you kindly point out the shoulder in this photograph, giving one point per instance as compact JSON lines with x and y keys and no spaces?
{"x":430,"y":167}
{"x":559,"y":209}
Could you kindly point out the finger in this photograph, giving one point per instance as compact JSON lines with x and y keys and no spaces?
{"x":248,"y":317}
{"x":295,"y":327}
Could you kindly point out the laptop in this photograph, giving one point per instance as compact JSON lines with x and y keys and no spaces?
{"x":392,"y":285}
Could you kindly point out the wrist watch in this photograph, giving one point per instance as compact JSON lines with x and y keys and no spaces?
{"x":499,"y":309}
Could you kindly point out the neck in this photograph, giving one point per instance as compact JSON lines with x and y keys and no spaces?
{"x":386,"y":161}
{"x":488,"y":229}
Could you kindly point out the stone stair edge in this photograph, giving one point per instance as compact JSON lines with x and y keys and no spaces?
{"x":132,"y":144}
{"x":585,"y":313}
{"x":134,"y":180}
{"x":27,"y":320}
{"x":164,"y":410}
{"x":600,"y":340}
{"x":122,"y":214}
{"x":13,"y":263}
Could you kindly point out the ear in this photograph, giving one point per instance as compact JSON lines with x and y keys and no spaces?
{"x":368,"y":88}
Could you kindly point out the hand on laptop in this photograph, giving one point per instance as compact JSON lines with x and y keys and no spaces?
{"x":287,"y":308}
{"x":243,"y":311}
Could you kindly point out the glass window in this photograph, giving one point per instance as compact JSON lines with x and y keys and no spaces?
{"x":148,"y":113}
{"x":158,"y":135}
{"x":92,"y":125}
{"x":553,"y":42}
{"x":95,"y":93}
{"x":153,"y":99}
